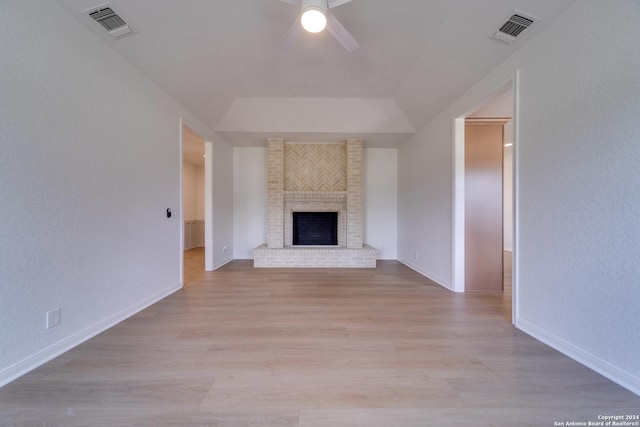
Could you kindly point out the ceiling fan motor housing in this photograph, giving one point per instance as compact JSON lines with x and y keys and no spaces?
{"x":319,"y":5}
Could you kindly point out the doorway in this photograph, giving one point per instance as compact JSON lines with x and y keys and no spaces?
{"x":497,"y":110}
{"x":484,"y":209}
{"x":193,"y":204}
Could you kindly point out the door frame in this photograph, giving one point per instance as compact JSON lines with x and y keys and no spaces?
{"x":208,"y":206}
{"x":208,"y":200}
{"x":458,"y":220}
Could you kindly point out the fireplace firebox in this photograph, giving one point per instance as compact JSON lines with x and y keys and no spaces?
{"x":315,"y":228}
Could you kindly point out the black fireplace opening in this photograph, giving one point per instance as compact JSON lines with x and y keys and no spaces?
{"x":315,"y":228}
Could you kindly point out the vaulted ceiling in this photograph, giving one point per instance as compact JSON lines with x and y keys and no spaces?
{"x":221,"y":59}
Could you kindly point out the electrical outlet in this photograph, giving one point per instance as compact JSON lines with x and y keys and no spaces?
{"x":224,"y":249}
{"x":416,"y":255}
{"x":53,"y":318}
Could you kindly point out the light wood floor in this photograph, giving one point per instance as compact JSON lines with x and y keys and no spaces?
{"x":321,"y":347}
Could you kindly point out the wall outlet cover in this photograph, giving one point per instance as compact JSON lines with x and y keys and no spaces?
{"x":53,"y":318}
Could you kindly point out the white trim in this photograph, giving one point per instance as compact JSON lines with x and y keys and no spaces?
{"x":458,"y":208}
{"x":208,"y":207}
{"x":221,"y":263}
{"x":429,"y":276}
{"x":515,"y":167}
{"x":624,"y":378}
{"x":181,"y":198}
{"x":33,"y":361}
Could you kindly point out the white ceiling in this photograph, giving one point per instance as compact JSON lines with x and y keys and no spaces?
{"x":220,"y":58}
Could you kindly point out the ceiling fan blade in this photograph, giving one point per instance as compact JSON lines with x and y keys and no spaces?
{"x":292,"y":35}
{"x":335,"y":3}
{"x":294,"y":2}
{"x":341,"y":34}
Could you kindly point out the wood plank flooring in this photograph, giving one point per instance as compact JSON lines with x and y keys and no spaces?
{"x":313,"y":347}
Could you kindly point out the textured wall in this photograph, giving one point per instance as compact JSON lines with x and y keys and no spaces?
{"x":90,"y":161}
{"x":380,"y":194}
{"x":577,"y":179}
{"x":249,"y":200}
{"x":222,"y":247}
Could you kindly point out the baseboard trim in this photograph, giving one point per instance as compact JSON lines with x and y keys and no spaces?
{"x":222,"y":263}
{"x":591,"y":361}
{"x":43,"y":356}
{"x":425,"y":274}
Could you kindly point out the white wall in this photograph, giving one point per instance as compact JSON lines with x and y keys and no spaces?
{"x":189,"y":191}
{"x":222,"y":203}
{"x":424,"y":202}
{"x":199,"y":190}
{"x":250,"y":200}
{"x":576,"y":156}
{"x":330,"y":115}
{"x":381,"y":200}
{"x":90,"y":161}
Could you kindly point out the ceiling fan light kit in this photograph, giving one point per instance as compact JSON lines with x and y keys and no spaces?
{"x":314,"y":15}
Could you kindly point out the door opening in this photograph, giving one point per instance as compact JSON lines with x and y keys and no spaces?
{"x":193,"y":204}
{"x":483,"y":250}
{"x":484,"y":240}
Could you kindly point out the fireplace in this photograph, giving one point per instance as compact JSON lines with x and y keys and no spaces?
{"x":324,"y":180}
{"x":315,"y":228}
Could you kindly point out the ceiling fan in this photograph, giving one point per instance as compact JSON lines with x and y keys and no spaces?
{"x":314,"y":17}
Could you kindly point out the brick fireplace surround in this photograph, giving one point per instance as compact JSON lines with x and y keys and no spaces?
{"x":314,"y":177}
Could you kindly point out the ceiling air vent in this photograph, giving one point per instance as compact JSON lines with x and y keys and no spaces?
{"x":516,"y":24}
{"x":110,"y":21}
